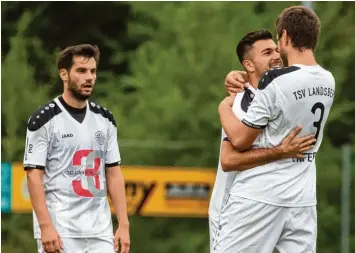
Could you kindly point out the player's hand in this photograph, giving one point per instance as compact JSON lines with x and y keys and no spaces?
{"x":228,"y":101}
{"x":236,"y":81}
{"x":51,"y":241}
{"x":293,"y":146}
{"x":122,"y":238}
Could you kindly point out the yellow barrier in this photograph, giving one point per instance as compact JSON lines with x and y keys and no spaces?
{"x":150,"y":191}
{"x":20,"y":197}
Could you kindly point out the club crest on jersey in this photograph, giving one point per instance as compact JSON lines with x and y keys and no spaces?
{"x":100,"y":137}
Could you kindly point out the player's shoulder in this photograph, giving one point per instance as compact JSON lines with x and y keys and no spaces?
{"x":244,"y":99}
{"x":327,"y":74}
{"x":271,"y":75}
{"x":103,"y":111}
{"x":43,"y":115}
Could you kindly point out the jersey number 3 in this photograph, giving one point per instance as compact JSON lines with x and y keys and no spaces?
{"x":91,"y":174}
{"x":318,"y":124}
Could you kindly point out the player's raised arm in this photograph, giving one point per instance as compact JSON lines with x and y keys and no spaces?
{"x":37,"y":141}
{"x":116,"y":189}
{"x":236,"y":81}
{"x":262,"y":109}
{"x":291,"y":146}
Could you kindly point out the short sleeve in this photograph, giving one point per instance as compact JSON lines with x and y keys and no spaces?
{"x":36,"y":148}
{"x":262,"y":109}
{"x":113,"y":156}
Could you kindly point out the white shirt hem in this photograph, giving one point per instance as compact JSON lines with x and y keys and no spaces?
{"x":275,"y":203}
{"x":37,"y":236}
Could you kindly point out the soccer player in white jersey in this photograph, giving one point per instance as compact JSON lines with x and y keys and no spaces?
{"x":257,"y":52}
{"x":274,"y":206}
{"x":72,"y":161}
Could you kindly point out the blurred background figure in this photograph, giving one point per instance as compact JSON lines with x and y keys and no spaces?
{"x":161,"y":73}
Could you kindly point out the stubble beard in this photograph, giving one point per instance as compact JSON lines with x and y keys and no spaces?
{"x":74,"y":90}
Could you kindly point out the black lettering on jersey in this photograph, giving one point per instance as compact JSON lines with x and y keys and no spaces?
{"x":28,"y":166}
{"x":321,"y":91}
{"x":30,"y":147}
{"x":270,"y":75}
{"x":43,"y":115}
{"x":95,"y":108}
{"x":67,"y":135}
{"x":247,"y":123}
{"x":26,"y":148}
{"x":247,"y":99}
{"x":308,"y":157}
{"x":300,"y":94}
{"x":75,"y":172}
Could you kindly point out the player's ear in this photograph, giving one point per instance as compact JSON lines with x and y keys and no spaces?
{"x":284,"y":36}
{"x":249,"y":66}
{"x":64,"y":75}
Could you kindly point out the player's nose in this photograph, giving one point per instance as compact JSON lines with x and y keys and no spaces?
{"x":276,"y":54}
{"x":89,"y":76}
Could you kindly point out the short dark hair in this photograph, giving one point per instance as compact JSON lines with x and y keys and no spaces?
{"x":247,"y":42}
{"x":301,"y":24}
{"x":65,"y":58}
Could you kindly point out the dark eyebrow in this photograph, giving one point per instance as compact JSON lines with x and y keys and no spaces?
{"x":267,"y":49}
{"x":82,"y":68}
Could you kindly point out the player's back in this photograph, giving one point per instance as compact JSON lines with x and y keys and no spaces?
{"x":304,"y":96}
{"x":298,"y":95}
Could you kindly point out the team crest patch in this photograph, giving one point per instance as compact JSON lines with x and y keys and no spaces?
{"x":100,"y":137}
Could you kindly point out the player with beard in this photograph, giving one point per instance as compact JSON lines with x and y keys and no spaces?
{"x":257,"y":53}
{"x":72,"y":161}
{"x":273,"y":207}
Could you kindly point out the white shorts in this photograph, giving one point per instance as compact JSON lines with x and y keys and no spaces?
{"x":248,"y":226}
{"x":84,"y":245}
{"x":213,"y":224}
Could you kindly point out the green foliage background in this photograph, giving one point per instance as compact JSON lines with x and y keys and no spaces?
{"x":162,"y":71}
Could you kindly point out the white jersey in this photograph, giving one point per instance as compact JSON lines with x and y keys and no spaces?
{"x":297,"y":95}
{"x":224,"y":180}
{"x":73,"y":156}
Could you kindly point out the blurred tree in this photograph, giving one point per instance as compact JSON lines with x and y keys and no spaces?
{"x":329,"y":175}
{"x":20,"y":92}
{"x":20,"y":96}
{"x":335,"y":51}
{"x":62,"y":24}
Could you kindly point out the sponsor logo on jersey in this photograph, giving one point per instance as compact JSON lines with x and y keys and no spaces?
{"x":27,"y":148}
{"x":82,"y":172}
{"x":91,"y":184}
{"x":30,"y":147}
{"x":29,"y":165}
{"x":67,"y":135}
{"x":100,"y":137}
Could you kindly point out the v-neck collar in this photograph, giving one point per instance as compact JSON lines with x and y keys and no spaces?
{"x":65,"y":110}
